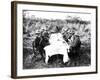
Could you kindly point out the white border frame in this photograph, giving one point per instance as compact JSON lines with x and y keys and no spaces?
{"x":50,"y":71}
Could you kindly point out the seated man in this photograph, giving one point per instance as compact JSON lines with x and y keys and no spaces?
{"x":39,"y":43}
{"x":74,"y":42}
{"x":75,"y":47}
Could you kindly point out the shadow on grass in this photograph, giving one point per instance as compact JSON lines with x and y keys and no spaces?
{"x":30,"y":61}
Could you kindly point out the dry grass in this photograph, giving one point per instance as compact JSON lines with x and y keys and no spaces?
{"x":81,"y":28}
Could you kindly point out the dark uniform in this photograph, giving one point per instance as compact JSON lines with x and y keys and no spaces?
{"x":75,"y":47}
{"x":39,"y":43}
{"x":36,"y":44}
{"x":75,"y":43}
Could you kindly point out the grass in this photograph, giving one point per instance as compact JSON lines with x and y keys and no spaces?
{"x":81,"y":28}
{"x":34,"y":62}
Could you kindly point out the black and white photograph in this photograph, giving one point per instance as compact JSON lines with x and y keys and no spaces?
{"x":54,"y":39}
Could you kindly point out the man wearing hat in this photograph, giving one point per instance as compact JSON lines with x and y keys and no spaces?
{"x":35,"y":43}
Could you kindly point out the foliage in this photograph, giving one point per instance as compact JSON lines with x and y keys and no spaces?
{"x":31,"y":25}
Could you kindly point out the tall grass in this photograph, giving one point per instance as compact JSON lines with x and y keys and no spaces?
{"x":31,"y":25}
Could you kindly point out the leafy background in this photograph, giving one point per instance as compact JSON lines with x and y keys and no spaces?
{"x":32,"y":24}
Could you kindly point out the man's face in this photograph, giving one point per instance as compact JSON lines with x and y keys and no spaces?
{"x":68,"y":35}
